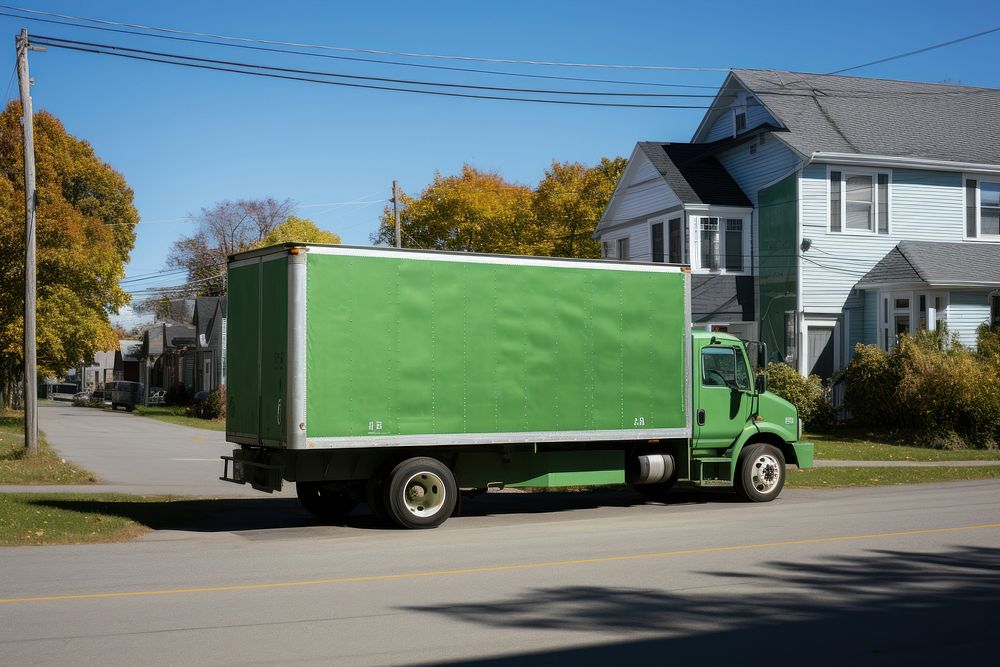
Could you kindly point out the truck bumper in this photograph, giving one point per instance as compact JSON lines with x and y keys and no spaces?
{"x":252,"y":467}
{"x":803,"y":454}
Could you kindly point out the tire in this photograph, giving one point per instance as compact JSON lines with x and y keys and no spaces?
{"x":655,"y":492}
{"x":420,"y":493}
{"x":323,"y":501}
{"x":760,"y":473}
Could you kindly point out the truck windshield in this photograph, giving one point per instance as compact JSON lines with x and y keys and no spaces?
{"x":722,"y":367}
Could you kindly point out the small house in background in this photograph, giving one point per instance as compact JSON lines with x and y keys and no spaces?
{"x":187,"y":346}
{"x":127,"y":364}
{"x":210,"y":328}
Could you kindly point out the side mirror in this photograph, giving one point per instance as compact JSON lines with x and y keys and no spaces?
{"x":761,"y":384}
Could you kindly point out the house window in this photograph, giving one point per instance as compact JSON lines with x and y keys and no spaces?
{"x":623,"y":248}
{"x":753,"y":148}
{"x":605,"y":249}
{"x":722,"y":243}
{"x":676,"y":245}
{"x":656,"y":232}
{"x":859,"y":202}
{"x":982,"y":209}
{"x":740,"y":119}
{"x":734,"y":244}
{"x":995,"y":311}
{"x":709,"y":240}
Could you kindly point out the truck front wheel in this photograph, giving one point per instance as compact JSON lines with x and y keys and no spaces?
{"x":761,"y":472}
{"x":324,"y":500}
{"x":421,"y":493}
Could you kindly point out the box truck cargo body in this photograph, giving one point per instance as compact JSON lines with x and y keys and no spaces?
{"x":399,"y":377}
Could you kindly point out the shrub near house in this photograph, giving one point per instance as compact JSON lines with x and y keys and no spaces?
{"x":930,"y":383}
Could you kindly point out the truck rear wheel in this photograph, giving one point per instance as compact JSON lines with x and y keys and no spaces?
{"x":420,"y":493}
{"x":325,"y":501}
{"x":761,"y":473}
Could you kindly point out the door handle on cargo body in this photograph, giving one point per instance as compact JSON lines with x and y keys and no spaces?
{"x":701,"y":418}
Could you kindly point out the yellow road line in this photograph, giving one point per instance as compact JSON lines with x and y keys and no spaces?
{"x":499,"y":568}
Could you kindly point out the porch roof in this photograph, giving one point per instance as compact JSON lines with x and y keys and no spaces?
{"x":937,"y":264}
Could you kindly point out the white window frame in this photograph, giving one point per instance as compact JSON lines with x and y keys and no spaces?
{"x":988,"y":238}
{"x":665,"y":219}
{"x":694,"y":220}
{"x":874,"y":174}
{"x":618,"y":248}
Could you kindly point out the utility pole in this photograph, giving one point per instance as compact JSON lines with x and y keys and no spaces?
{"x":30,"y":199}
{"x":395,"y":213}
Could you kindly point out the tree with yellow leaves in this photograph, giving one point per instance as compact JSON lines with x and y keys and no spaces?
{"x":85,"y":231}
{"x":479,"y":211}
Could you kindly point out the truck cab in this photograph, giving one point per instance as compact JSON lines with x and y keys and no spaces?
{"x":734,"y":411}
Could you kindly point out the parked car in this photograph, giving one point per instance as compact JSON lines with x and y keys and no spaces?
{"x":81,"y":398}
{"x":64,"y":391}
{"x":124,"y":394}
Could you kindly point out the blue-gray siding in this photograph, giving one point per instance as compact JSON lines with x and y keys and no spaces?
{"x":771,"y":162}
{"x":966,"y":311}
{"x":923,"y":205}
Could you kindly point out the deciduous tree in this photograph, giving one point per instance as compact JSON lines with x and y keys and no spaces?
{"x":85,"y":231}
{"x":478,"y":211}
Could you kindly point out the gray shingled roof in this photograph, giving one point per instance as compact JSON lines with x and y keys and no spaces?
{"x":934,"y":264}
{"x":694,"y":176}
{"x":847,"y":114}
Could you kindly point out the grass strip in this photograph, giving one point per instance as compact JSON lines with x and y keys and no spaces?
{"x":46,"y":467}
{"x":825,"y":478}
{"x":177,"y":415}
{"x":44,"y":519}
{"x":837,"y":447}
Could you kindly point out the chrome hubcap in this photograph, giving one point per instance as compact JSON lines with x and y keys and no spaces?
{"x":766,"y":473}
{"x":423,"y":494}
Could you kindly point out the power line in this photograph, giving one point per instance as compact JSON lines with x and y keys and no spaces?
{"x":915,"y":51}
{"x":270,"y":75}
{"x":510,"y":61}
{"x":376,"y":61}
{"x":544,"y":91}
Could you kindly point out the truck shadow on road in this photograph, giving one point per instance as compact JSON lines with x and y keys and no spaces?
{"x":880,"y":607}
{"x":245,"y":515}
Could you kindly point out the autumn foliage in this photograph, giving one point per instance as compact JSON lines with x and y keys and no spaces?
{"x":85,"y":231}
{"x":480,"y":211}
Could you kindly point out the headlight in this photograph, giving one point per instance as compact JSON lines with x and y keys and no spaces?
{"x":798,"y":432}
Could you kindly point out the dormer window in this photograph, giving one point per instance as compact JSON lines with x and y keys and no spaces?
{"x":740,"y":119}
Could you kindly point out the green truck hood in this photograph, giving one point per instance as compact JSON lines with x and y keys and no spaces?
{"x":778,"y":416}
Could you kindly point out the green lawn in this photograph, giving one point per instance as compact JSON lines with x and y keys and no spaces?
{"x":177,"y":415}
{"x":861,"y":446}
{"x":41,"y":519}
{"x":820,"y":478}
{"x":16,"y":467}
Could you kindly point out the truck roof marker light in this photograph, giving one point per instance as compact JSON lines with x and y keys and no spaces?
{"x":294,"y":251}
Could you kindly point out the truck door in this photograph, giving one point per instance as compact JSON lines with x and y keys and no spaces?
{"x":723,"y":400}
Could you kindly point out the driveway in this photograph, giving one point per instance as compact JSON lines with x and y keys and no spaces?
{"x":133,"y":454}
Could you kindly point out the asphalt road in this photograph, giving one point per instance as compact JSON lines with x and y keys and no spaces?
{"x":133,"y":454}
{"x":894,"y":575}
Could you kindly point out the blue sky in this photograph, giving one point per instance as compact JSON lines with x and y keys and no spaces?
{"x":185,"y":139}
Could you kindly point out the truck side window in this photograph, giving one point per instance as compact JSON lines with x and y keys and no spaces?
{"x":721,"y":367}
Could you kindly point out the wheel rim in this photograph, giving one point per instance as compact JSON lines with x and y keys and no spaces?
{"x":423,"y":494}
{"x":765,"y":473}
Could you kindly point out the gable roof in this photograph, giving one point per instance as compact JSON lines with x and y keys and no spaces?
{"x":933,"y":263}
{"x":847,"y":114}
{"x":695,"y":176}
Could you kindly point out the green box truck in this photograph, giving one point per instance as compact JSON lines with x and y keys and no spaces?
{"x":402,"y":378}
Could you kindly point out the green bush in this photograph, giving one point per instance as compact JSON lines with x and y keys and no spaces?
{"x":930,"y":383}
{"x":988,"y":343}
{"x":214,"y":405}
{"x":806,"y":394}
